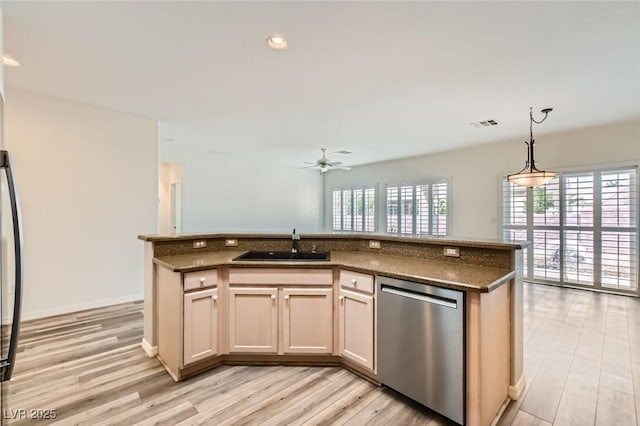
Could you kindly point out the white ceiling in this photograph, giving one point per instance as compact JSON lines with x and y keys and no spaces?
{"x":381,"y":79}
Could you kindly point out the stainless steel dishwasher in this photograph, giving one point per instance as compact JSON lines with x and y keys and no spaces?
{"x":421,"y":344}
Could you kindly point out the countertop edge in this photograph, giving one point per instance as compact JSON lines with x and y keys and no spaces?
{"x":479,"y":243}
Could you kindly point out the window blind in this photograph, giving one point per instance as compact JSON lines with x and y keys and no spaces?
{"x":619,"y":220}
{"x":583,"y":226}
{"x":439,"y":203}
{"x":392,"y":209}
{"x":354,"y":210}
{"x":417,"y":209}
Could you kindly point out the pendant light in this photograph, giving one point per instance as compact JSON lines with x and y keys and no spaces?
{"x":530,"y":175}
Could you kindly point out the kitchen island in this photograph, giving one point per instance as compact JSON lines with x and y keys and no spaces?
{"x":203,"y":309}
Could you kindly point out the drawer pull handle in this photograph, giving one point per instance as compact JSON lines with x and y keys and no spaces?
{"x":354,"y":281}
{"x":202,"y":280}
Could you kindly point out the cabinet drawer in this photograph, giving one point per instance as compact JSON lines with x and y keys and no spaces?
{"x":203,"y":279}
{"x":280,"y":276}
{"x":356,"y":281}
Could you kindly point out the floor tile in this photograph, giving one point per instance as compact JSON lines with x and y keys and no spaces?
{"x":615,"y":408}
{"x":526,"y":419}
{"x":579,"y":400}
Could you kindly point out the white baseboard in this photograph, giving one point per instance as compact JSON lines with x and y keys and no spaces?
{"x":80,"y":307}
{"x":151,"y":351}
{"x":515,"y":392}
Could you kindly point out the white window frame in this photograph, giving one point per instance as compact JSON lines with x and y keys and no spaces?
{"x":430,"y":183}
{"x":364,"y":189}
{"x":597,"y":228}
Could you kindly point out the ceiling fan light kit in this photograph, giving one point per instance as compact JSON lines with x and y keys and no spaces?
{"x":530,"y":175}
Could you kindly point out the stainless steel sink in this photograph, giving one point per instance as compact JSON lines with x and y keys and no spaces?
{"x":301,"y":256}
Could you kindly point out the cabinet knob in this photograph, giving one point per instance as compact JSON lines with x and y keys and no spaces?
{"x":273,"y":297}
{"x":341,"y":298}
{"x":202,"y":281}
{"x":215,"y":298}
{"x":354,"y":281}
{"x":286,"y":297}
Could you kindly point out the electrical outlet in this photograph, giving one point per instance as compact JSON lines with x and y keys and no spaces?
{"x":199,"y":244}
{"x":231,"y":242}
{"x":374,"y":244}
{"x":452,"y":251}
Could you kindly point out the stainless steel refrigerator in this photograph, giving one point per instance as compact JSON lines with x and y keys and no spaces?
{"x":12,"y":273}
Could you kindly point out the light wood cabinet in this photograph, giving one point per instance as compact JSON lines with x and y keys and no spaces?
{"x":200,"y":280}
{"x":307,"y":325}
{"x":356,"y":327}
{"x":356,"y":281}
{"x":188,"y":320}
{"x":253,"y":319}
{"x":200,"y":325}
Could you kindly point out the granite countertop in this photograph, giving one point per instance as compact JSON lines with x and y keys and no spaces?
{"x":455,"y":241}
{"x":443,"y":274}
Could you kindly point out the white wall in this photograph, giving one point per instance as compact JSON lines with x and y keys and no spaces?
{"x":228,"y":193}
{"x":88,"y":184}
{"x":475,"y":172}
{"x":1,"y":67}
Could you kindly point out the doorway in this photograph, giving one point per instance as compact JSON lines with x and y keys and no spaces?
{"x":170,"y":198}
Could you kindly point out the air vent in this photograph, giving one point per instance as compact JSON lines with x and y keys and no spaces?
{"x":486,"y":123}
{"x":343,"y":152}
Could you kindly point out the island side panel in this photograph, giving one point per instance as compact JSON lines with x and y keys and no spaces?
{"x":473,"y":359}
{"x":170,"y":320}
{"x":149,"y":337}
{"x":517,"y":379}
{"x":496,"y":348}
{"x":488,"y":347}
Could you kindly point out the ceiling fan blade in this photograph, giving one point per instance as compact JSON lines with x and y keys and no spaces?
{"x":309,"y":162}
{"x":307,"y":167}
{"x":342,"y":168}
{"x":334,"y":163}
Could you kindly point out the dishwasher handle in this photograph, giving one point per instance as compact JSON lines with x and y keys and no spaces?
{"x":436,"y":300}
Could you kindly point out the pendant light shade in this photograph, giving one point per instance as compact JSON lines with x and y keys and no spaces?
{"x":530,"y":175}
{"x":532,"y":179}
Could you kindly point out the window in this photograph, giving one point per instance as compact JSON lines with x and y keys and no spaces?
{"x":418,"y":209}
{"x":583,"y":226}
{"x":354,"y":210}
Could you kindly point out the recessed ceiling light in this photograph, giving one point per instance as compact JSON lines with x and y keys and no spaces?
{"x":10,"y":61}
{"x":277,"y":42}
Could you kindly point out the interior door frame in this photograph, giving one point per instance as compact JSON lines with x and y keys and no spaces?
{"x":176,"y":207}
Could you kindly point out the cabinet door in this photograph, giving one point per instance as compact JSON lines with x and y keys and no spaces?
{"x":200,"y":325}
{"x":307,"y":323}
{"x":356,"y":327}
{"x":253,"y":319}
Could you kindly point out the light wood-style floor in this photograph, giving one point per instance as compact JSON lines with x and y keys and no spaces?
{"x":582,"y":358}
{"x":89,"y":367}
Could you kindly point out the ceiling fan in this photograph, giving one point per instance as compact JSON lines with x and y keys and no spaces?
{"x":324,"y":164}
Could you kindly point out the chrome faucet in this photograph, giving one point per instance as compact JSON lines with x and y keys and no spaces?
{"x":294,"y":241}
